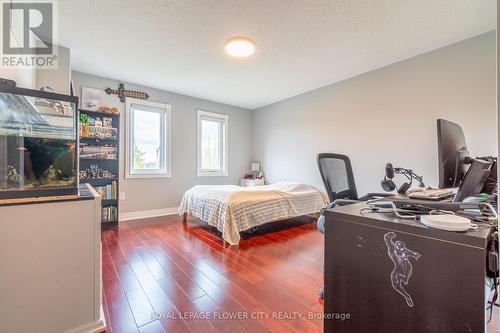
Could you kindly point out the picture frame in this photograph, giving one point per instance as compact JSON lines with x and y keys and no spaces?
{"x":92,"y":99}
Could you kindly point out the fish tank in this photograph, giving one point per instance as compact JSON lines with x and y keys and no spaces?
{"x":38,"y":143}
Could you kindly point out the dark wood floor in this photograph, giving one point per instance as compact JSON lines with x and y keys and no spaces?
{"x":160,"y":276}
{"x":159,"y":266}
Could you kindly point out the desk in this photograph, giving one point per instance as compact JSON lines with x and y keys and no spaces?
{"x":396,"y":275}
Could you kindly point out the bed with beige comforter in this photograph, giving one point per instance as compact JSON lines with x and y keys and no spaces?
{"x":233,"y":209}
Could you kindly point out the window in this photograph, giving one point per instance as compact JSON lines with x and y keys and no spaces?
{"x":148,"y":139}
{"x":212,"y":144}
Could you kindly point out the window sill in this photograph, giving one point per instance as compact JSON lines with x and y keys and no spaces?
{"x":212,"y":174}
{"x":139,"y":176}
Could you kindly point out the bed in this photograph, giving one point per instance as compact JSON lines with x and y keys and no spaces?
{"x":233,"y":209}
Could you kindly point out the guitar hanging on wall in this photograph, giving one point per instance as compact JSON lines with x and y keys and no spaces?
{"x":121,"y":92}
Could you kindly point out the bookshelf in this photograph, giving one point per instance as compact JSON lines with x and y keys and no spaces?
{"x":99,"y":159}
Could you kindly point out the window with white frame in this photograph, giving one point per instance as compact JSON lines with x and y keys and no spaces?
{"x":212,"y":144}
{"x":148,"y":139}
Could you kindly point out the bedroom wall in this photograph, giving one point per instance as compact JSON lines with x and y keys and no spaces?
{"x":166,"y":193}
{"x":388,"y":114}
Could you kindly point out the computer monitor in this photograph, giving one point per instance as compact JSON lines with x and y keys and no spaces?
{"x":452,"y":154}
{"x":474,"y":180}
{"x":454,"y":161}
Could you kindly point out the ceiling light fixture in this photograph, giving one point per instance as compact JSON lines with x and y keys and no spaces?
{"x":240,"y":47}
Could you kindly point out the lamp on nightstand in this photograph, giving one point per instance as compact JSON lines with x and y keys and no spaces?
{"x":256,"y":178}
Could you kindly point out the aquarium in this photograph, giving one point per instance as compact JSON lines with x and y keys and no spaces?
{"x":38,"y":143}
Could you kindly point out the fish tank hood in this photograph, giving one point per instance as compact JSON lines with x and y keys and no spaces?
{"x":38,"y":143}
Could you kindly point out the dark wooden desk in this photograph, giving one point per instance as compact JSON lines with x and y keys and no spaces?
{"x":396,"y":275}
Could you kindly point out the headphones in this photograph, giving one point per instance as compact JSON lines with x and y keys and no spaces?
{"x":388,"y":184}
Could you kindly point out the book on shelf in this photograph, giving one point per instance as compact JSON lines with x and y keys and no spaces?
{"x":107,"y":192}
{"x":109,"y":213}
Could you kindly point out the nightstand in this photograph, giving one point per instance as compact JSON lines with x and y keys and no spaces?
{"x":252,"y":182}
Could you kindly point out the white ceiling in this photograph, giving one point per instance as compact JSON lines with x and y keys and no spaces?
{"x":177,"y":45}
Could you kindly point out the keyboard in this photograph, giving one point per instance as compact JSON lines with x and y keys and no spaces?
{"x":433,"y":194}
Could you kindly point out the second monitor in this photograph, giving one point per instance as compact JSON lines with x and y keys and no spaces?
{"x":453,"y":159}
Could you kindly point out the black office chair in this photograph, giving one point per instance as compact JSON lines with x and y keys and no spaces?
{"x":336,"y":173}
{"x":337,"y":176}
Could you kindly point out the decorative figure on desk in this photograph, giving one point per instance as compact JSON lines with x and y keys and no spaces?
{"x":400,"y":256}
{"x":122,"y":93}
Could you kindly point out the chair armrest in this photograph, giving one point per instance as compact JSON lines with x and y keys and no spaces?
{"x":338,"y":202}
{"x":330,"y":205}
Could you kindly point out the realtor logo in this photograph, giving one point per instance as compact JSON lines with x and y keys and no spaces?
{"x":28,"y":32}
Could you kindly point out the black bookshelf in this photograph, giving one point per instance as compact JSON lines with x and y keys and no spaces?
{"x":101,"y":173}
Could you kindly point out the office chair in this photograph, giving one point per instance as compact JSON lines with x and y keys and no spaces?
{"x":337,"y":176}
{"x":336,"y":173}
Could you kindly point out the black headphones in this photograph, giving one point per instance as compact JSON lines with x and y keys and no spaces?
{"x":388,"y":184}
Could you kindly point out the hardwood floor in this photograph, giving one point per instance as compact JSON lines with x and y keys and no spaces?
{"x":161,"y":276}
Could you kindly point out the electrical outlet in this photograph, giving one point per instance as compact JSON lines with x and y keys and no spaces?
{"x":122,"y":195}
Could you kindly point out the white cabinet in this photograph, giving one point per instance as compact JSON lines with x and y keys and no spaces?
{"x":50,"y":280}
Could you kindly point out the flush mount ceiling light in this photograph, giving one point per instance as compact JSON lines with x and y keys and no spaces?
{"x":240,"y":47}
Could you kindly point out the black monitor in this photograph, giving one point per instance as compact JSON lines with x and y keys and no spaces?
{"x":474,"y":180}
{"x":454,"y":162}
{"x":452,"y":154}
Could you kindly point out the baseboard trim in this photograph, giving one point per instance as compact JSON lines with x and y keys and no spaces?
{"x":146,"y":214}
{"x":98,"y":326}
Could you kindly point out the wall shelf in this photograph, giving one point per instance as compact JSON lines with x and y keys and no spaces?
{"x":110,"y":207}
{"x":98,"y":139}
{"x":109,"y":201}
{"x":99,"y":114}
{"x":97,"y":181}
